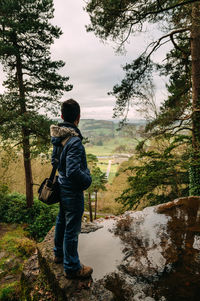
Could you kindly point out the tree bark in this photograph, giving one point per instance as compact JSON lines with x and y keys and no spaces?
{"x":195,"y":53}
{"x":90,"y":206}
{"x":25,"y":133}
{"x":27,"y":168}
{"x":95,"y":212}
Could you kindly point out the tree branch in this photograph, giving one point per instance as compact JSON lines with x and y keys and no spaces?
{"x":161,"y":10}
{"x":176,"y":46}
{"x":184,"y":128}
{"x":157,"y":43}
{"x":161,"y":132}
{"x":126,"y":38}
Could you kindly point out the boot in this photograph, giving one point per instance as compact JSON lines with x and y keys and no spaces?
{"x":84,"y":272}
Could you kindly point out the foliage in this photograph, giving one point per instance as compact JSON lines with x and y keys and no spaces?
{"x":33,"y":81}
{"x":16,"y":242}
{"x":176,"y":109}
{"x":39,"y":219}
{"x":98,"y":180}
{"x":98,"y":177}
{"x":121,"y":19}
{"x":160,"y":177}
{"x":180,"y":23}
{"x":15,"y":248}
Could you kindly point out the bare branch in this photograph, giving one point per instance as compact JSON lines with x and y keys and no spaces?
{"x":157,"y":43}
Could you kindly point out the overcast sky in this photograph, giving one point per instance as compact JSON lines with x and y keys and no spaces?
{"x":93,"y":67}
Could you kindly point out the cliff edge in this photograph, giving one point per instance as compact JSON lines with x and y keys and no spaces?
{"x":146,"y":255}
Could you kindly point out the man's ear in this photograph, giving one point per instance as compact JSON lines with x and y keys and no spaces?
{"x":62,"y":117}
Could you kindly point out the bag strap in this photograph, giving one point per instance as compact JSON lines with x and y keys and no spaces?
{"x":57,"y":158}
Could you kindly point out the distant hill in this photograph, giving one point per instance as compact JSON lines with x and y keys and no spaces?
{"x":97,"y":129}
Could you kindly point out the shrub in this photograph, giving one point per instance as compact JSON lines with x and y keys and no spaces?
{"x":39,"y":219}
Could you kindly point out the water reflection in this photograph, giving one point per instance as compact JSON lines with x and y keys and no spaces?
{"x":165,"y":241}
{"x":101,"y":250}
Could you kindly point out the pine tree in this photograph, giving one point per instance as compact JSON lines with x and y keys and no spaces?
{"x":118,"y":20}
{"x":32,"y":83}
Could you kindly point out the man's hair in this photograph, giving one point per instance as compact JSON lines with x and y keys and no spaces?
{"x":70,"y":110}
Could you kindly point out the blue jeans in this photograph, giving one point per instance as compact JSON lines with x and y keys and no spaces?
{"x":68,"y":227}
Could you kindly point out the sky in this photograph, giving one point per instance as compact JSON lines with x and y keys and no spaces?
{"x":93,"y":66}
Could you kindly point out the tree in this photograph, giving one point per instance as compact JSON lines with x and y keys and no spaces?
{"x":180,"y":21}
{"x":92,"y":163}
{"x":161,"y":175}
{"x":32,"y":82}
{"x":98,"y":182}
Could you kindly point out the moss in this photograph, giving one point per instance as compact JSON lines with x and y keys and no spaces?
{"x":16,"y":247}
{"x":10,"y":292}
{"x":16,"y":242}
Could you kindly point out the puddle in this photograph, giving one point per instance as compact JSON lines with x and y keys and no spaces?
{"x":157,"y":252}
{"x":166,"y":248}
{"x":101,"y":249}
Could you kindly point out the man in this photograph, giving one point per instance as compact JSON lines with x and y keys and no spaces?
{"x":74,"y":177}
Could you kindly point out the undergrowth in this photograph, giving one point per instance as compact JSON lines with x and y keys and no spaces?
{"x":39,"y":219}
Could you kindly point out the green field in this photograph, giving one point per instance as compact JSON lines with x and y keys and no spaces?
{"x":108,"y":149}
{"x":110,"y":145}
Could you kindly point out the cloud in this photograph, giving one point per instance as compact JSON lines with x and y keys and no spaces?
{"x":93,"y":67}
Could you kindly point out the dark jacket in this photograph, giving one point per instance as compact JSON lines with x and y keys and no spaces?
{"x":72,"y":168}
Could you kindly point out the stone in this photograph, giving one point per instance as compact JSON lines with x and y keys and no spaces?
{"x":90,"y":227}
{"x":147,"y":255}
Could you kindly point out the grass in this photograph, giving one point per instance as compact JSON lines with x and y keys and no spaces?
{"x":109,"y":146}
{"x":15,"y":248}
{"x":12,"y":172}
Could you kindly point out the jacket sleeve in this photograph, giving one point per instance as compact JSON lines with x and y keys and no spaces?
{"x":53,"y":156}
{"x":56,"y":151}
{"x":79,"y":177}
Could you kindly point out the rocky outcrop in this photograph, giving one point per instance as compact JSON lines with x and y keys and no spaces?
{"x":147,"y":255}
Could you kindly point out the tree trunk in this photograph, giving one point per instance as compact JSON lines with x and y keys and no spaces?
{"x":90,"y":206}
{"x":25,"y":133}
{"x":95,"y":212}
{"x":27,"y":168}
{"x":194,"y":172}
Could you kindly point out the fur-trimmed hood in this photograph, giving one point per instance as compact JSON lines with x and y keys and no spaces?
{"x":60,"y":133}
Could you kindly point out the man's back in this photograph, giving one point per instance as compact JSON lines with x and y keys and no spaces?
{"x":74,"y":177}
{"x":73,"y":172}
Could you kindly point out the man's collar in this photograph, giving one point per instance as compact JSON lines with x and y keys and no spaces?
{"x":72,"y":125}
